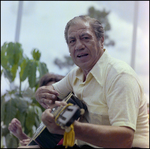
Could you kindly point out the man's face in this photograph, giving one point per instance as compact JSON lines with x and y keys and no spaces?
{"x":84,"y":47}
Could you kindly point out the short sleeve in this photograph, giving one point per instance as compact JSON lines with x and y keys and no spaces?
{"x":64,"y":86}
{"x":123,"y":99}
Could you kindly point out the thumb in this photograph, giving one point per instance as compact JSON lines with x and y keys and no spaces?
{"x":60,"y":103}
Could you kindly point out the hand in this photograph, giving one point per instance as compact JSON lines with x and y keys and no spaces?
{"x":47,"y":97}
{"x":49,"y":120}
{"x":25,"y":142}
{"x":16,"y":128}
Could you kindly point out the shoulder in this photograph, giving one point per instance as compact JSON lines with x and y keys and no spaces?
{"x":73,"y":72}
{"x":117,"y":67}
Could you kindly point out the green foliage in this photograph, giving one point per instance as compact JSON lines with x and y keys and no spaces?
{"x":11,"y":141}
{"x":18,"y":103}
{"x":102,"y":16}
{"x":11,"y":53}
{"x":36,"y":54}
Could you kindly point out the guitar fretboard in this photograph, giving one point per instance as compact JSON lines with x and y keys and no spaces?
{"x":39,"y":129}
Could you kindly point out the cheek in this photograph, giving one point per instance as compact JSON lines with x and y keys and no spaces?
{"x":72,"y":56}
{"x":71,"y":51}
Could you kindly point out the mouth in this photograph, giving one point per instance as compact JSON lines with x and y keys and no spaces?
{"x":82,"y":55}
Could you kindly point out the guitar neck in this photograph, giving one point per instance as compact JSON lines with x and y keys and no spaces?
{"x":38,"y":132}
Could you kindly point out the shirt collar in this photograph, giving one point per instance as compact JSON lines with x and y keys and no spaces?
{"x":98,"y":71}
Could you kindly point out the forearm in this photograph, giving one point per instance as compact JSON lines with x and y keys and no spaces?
{"x":104,"y":136}
{"x":23,"y":136}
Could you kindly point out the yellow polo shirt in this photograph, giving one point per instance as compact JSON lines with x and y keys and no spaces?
{"x":113,"y":94}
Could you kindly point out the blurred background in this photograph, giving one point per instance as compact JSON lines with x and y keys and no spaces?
{"x":40,"y":25}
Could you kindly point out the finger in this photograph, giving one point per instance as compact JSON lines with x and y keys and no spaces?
{"x":44,"y":101}
{"x":14,"y":125}
{"x":22,"y":143}
{"x":17,"y":121}
{"x":18,"y":125}
{"x":45,"y":89}
{"x":9,"y":127}
{"x":47,"y":101}
{"x":26,"y":141}
{"x":57,"y":103}
{"x":48,"y":96}
{"x":60,"y":103}
{"x":50,"y":104}
{"x":44,"y":105}
{"x":12,"y":128}
{"x":47,"y":117}
{"x":14,"y":120}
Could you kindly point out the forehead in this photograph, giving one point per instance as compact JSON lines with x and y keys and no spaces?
{"x":79,"y":28}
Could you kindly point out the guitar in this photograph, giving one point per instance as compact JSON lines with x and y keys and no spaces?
{"x":66,"y":116}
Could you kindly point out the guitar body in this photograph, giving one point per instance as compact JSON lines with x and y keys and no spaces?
{"x":44,"y":138}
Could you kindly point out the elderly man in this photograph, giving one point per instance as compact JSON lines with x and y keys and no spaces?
{"x":109,"y":87}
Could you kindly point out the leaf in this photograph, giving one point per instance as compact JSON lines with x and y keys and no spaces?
{"x":18,"y":53}
{"x":28,"y":93}
{"x":32,"y":74}
{"x":42,"y":69}
{"x":2,"y":108}
{"x":1,"y":72}
{"x":30,"y":119}
{"x":4,"y":58}
{"x":21,"y":117}
{"x":10,"y":111}
{"x":38,"y":111}
{"x":13,"y":71}
{"x":14,"y":53}
{"x":11,"y":141}
{"x":36,"y":54}
{"x":8,"y":75}
{"x":21,"y":105}
{"x":4,"y":131}
{"x":10,"y":53}
{"x":24,"y":69}
{"x":102,"y":16}
{"x":37,"y":122}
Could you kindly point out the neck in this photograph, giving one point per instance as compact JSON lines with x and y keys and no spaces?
{"x":88,"y":69}
{"x":85,"y":73}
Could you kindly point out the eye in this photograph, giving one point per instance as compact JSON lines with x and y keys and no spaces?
{"x":85,"y":38}
{"x":72,"y":41}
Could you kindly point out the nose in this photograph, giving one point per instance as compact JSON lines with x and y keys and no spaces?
{"x":79,"y":45}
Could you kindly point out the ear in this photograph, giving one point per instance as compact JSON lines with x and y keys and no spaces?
{"x":102,"y":39}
